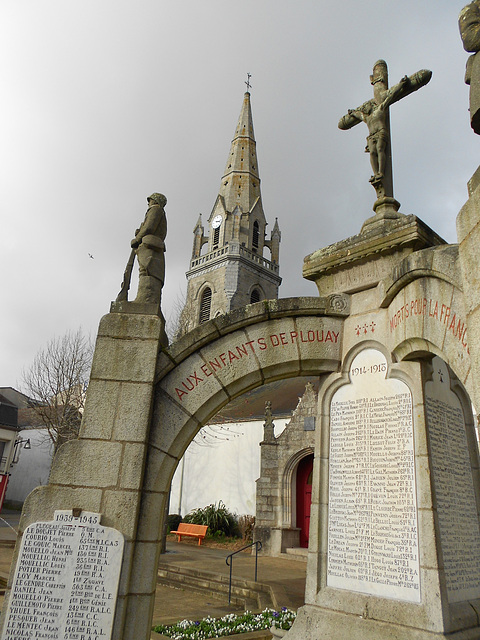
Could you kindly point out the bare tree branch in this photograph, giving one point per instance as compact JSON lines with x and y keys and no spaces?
{"x":56,"y":383}
{"x":180,"y":320}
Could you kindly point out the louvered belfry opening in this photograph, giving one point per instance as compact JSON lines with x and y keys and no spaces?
{"x":216,"y":238}
{"x":255,"y":236}
{"x":205,"y":305}
{"x":255,"y":296}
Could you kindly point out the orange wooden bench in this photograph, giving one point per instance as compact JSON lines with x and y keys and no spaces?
{"x":191,"y":530}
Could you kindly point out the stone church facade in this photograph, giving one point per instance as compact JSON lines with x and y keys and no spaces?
{"x":284,"y":488}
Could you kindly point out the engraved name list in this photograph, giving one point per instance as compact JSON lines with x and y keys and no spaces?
{"x":66,"y":580}
{"x":372,"y":521}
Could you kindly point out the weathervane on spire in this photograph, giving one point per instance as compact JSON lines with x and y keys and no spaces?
{"x":247,"y":81}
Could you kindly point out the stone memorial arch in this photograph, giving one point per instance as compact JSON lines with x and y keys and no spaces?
{"x":394,"y":545}
{"x":144,"y":405}
{"x":389,"y":303}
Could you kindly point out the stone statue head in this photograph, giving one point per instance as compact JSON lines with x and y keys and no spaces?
{"x":368,"y":107}
{"x":157,"y":198}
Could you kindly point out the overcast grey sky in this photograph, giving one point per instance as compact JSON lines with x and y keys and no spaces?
{"x":105,"y":101}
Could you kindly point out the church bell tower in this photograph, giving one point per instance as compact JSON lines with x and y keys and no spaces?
{"x":228,"y":269}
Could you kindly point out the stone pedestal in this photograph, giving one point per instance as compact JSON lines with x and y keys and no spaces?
{"x":331,"y":625}
{"x":361,"y":261}
{"x":267,"y":526}
{"x":103,"y":470}
{"x":395,"y":531}
{"x":468,"y":232}
{"x":386,"y":210}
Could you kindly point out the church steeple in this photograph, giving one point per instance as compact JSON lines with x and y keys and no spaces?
{"x":232,"y":272}
{"x":241,"y":182}
{"x":237,"y":215}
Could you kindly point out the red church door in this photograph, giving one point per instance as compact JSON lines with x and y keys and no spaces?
{"x":304,"y":497}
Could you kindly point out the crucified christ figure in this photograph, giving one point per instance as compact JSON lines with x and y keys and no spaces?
{"x":376,"y":118}
{"x":375,"y":113}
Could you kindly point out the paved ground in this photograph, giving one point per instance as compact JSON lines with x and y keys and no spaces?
{"x":286,"y":577}
{"x":8,"y":523}
{"x":8,"y":535}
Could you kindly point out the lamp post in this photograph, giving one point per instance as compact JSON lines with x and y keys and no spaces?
{"x":18,"y":446}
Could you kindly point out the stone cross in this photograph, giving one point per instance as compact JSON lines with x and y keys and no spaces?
{"x":375,"y":113}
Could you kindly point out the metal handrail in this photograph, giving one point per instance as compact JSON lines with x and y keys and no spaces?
{"x":258,"y":546}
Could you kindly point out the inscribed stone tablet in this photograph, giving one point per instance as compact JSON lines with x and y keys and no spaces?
{"x":372,"y":511}
{"x":452,"y":473}
{"x":309,"y":423}
{"x":66,"y":580}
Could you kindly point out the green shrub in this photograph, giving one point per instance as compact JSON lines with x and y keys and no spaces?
{"x":173,"y":520}
{"x":217,"y":518}
{"x":219,"y":535}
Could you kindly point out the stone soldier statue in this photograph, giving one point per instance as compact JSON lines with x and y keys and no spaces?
{"x":469,"y":23}
{"x":149,"y":248}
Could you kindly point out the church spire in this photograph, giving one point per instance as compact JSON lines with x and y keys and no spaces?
{"x":240,"y":182}
{"x":233,"y":272}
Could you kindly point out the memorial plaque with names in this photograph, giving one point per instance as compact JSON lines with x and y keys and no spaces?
{"x":454,"y":490}
{"x":66,"y":580}
{"x":372,"y":510}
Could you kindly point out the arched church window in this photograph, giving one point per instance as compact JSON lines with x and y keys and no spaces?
{"x":256,"y":235}
{"x":205,"y":305}
{"x":255,"y":296}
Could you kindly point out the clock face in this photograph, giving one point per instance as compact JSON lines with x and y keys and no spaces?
{"x":217,"y":221}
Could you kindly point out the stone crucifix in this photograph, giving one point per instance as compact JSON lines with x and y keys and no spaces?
{"x":375,"y":113}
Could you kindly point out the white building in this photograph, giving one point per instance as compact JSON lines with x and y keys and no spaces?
{"x":33,"y":466}
{"x":223,"y":462}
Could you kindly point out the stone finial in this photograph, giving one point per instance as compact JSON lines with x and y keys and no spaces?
{"x":199,"y":238}
{"x":275,"y":240}
{"x":268,"y":426}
